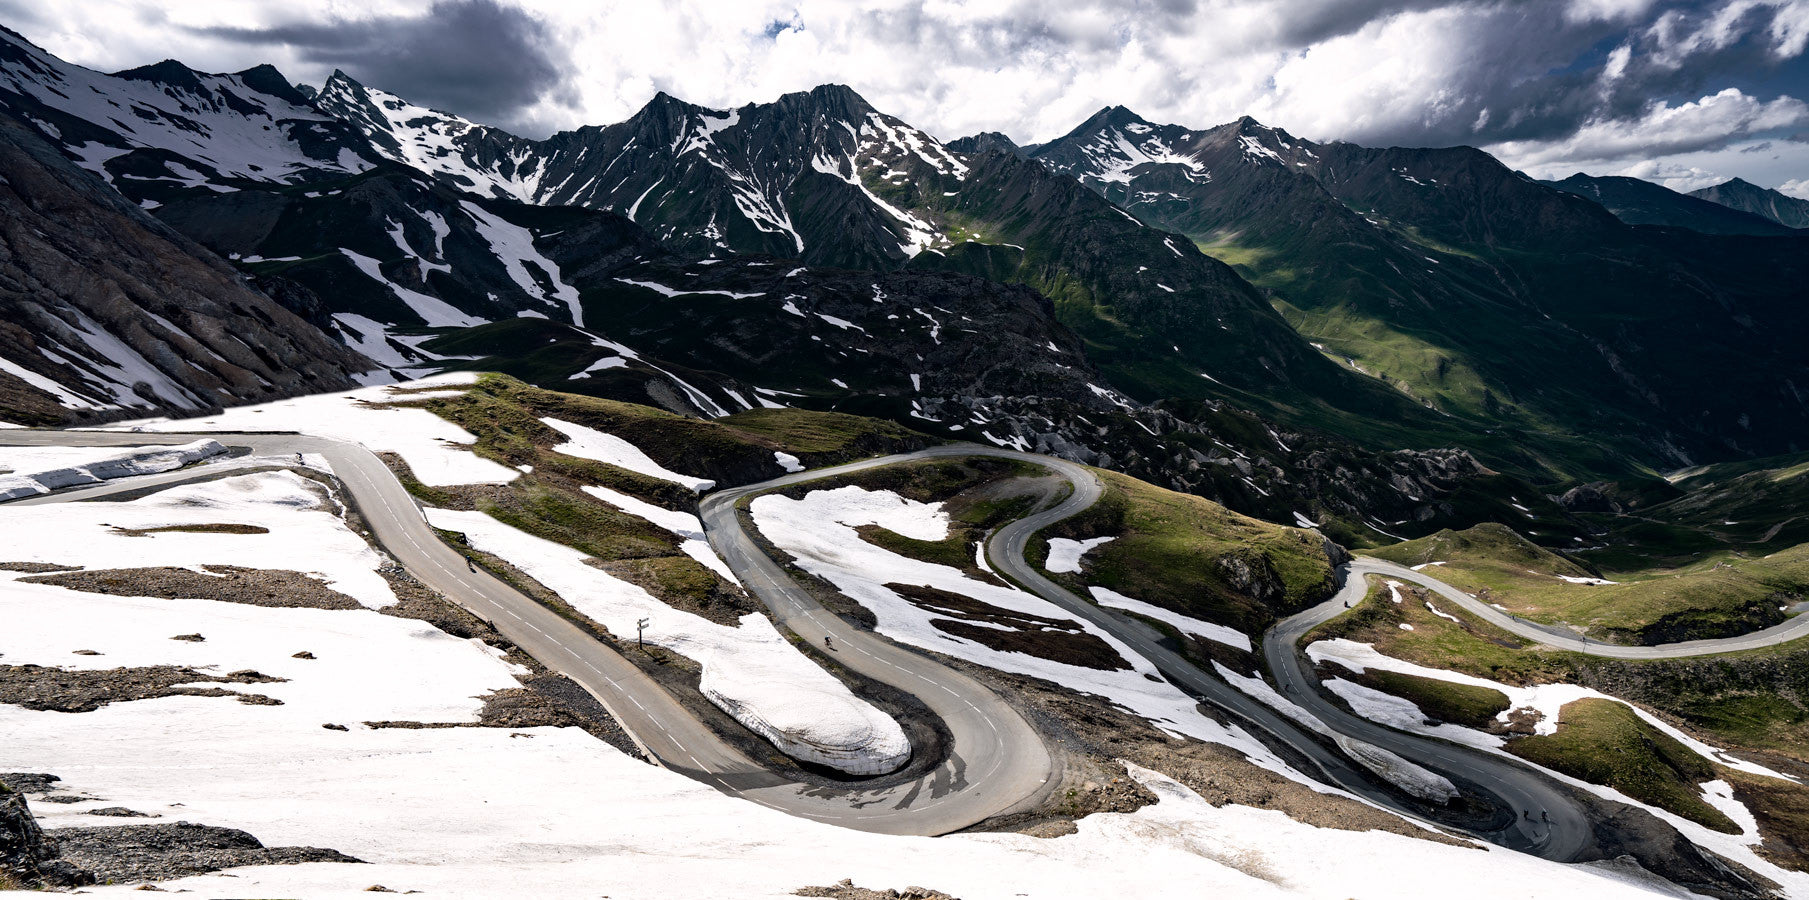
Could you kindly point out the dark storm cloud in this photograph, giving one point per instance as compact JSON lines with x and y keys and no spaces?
{"x":1536,"y":71}
{"x":477,"y":58}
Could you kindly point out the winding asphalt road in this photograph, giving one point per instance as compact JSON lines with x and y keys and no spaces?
{"x":1513,"y":785}
{"x":1518,"y":786}
{"x":1565,"y":639}
{"x":997,"y":763}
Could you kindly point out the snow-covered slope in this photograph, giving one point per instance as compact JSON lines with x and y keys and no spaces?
{"x":477,"y":158}
{"x":1137,"y":163}
{"x":798,"y":177}
{"x":29,"y":471}
{"x":481,"y":811}
{"x":168,"y":122}
{"x":103,"y":309}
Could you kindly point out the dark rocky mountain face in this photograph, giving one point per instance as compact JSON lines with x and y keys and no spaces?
{"x":1745,"y":196}
{"x":984,"y":142}
{"x":1556,"y":335}
{"x":823,"y":177}
{"x":1639,"y":202}
{"x":427,"y":241}
{"x":168,"y":124}
{"x":105,"y":313}
{"x":381,"y":258}
{"x":781,"y":179}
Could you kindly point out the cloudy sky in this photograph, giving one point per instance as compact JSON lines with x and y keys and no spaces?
{"x":1686,"y":93}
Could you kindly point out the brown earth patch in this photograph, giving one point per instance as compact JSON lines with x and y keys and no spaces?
{"x":36,"y":567}
{"x":209,"y":528}
{"x":227,"y":584}
{"x":86,"y":690}
{"x":1059,"y":640}
{"x":1782,"y":811}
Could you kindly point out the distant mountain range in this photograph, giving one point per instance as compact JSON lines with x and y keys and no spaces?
{"x":1748,"y":197}
{"x":1489,"y":296}
{"x":1639,"y":202}
{"x":1233,"y":310}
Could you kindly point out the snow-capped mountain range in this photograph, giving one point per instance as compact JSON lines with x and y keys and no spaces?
{"x":372,"y":216}
{"x":746,"y":180}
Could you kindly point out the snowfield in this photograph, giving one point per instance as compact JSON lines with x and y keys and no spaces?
{"x":1065,"y":553}
{"x":750,"y":671}
{"x":1200,"y":628}
{"x":1547,"y":700}
{"x":434,"y":448}
{"x":302,"y":533}
{"x":818,"y":531}
{"x":40,"y":470}
{"x":589,"y":443}
{"x":481,"y":812}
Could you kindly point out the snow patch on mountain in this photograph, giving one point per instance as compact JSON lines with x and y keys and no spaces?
{"x":750,"y":671}
{"x":589,"y":443}
{"x":513,"y":245}
{"x":220,"y":122}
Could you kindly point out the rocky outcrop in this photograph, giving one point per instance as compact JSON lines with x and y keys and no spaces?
{"x":106,"y":313}
{"x":26,"y":861}
{"x":111,"y":854}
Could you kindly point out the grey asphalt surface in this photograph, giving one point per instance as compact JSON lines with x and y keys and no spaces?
{"x":1518,"y":786}
{"x":1513,"y":785}
{"x":997,"y":765}
{"x":1565,"y":639}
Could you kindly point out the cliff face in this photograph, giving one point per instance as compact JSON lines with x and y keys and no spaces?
{"x":105,"y":313}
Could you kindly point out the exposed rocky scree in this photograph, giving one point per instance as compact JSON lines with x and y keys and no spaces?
{"x":142,"y":318}
{"x":31,"y":857}
{"x":847,"y":890}
{"x":86,"y":690}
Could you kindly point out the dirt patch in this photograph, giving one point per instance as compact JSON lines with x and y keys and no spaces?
{"x":69,"y":857}
{"x":417,"y":601}
{"x":846,"y":890}
{"x":209,"y":528}
{"x":36,"y":567}
{"x":227,"y":584}
{"x":1782,"y":811}
{"x":1095,"y":736}
{"x":1059,"y":640}
{"x":127,"y":853}
{"x":86,"y":690}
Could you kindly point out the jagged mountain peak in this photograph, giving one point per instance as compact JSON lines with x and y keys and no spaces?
{"x":1743,"y":195}
{"x":987,"y":141}
{"x":169,"y":71}
{"x":268,"y":79}
{"x":183,"y":126}
{"x":478,"y":158}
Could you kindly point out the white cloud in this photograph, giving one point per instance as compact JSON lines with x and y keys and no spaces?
{"x":1527,"y":76}
{"x":1676,"y":177}
{"x":1663,"y":130}
{"x":1795,"y":187}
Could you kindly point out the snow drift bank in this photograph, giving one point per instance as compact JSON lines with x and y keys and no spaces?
{"x":751,"y":671}
{"x":40,"y":470}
